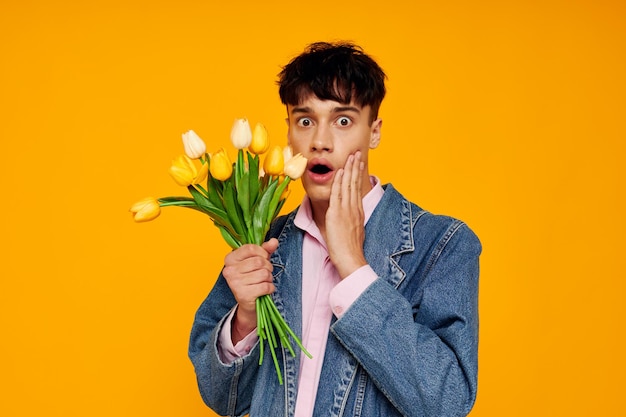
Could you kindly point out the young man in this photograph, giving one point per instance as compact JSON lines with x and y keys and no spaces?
{"x":383,"y":293}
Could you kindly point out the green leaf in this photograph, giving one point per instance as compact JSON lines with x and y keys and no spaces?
{"x":217,"y":214}
{"x":214,"y":197}
{"x":213,"y":185}
{"x":271,"y":213}
{"x":260,"y":213}
{"x":243,"y":198}
{"x":174,"y":198}
{"x":240,"y":167}
{"x":278,"y":208}
{"x":253,"y":176}
{"x":232,"y":208}
{"x":200,"y":199}
{"x":228,"y":237}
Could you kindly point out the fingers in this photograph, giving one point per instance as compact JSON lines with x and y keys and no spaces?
{"x":346,"y":182}
{"x":345,"y":217}
{"x":351,"y":196}
{"x":335,"y":190}
{"x":270,"y":246}
{"x":244,"y":252}
{"x":248,"y":272}
{"x":247,"y":260}
{"x":352,"y":179}
{"x":346,"y":186}
{"x":252,"y":262}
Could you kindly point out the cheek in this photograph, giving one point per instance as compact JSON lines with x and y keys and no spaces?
{"x":297,"y":147}
{"x":297,"y":141}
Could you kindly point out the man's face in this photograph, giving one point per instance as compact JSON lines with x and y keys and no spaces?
{"x":326,"y":132}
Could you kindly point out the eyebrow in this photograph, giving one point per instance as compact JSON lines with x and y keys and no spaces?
{"x":339,"y":109}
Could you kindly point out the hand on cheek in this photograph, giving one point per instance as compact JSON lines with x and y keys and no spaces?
{"x":345,"y":232}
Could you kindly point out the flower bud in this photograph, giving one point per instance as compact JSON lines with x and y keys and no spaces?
{"x":295,"y":167}
{"x":240,"y":134}
{"x":183,"y":171}
{"x":260,"y":144}
{"x":221,"y":167}
{"x":274,"y":161}
{"x":195,"y":147}
{"x":145,"y":210}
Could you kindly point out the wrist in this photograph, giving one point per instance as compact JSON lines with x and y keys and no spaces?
{"x":243,"y":324}
{"x":348,"y":267}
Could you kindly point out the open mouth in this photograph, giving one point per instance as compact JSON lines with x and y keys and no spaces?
{"x":320,"y":169}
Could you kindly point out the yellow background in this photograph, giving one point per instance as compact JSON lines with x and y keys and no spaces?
{"x":507,"y":114}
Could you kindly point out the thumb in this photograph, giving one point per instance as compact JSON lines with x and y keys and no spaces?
{"x":271,"y":245}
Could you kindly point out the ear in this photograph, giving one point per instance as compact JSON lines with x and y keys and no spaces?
{"x":375,"y":133}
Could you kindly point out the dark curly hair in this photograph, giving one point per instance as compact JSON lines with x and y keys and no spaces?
{"x":333,"y":71}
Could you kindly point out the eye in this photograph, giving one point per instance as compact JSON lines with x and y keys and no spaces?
{"x":344,"y":121}
{"x":304,"y":122}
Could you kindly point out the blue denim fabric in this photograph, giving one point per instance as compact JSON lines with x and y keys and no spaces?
{"x":406,"y":347}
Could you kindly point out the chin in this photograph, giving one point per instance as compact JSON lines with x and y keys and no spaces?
{"x":317,"y":192}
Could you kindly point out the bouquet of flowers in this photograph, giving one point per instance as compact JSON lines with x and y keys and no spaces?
{"x":242,"y":199}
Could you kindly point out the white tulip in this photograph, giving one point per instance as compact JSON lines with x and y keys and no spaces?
{"x":241,"y":134}
{"x":295,"y":167}
{"x":195,"y":147}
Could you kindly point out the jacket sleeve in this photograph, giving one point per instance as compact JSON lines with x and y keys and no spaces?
{"x":225,"y":388}
{"x":420,"y":347}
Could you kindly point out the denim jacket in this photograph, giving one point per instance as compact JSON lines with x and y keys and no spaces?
{"x":406,"y":347}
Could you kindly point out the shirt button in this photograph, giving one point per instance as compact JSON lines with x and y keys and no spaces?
{"x":248,"y":349}
{"x":338,"y":311}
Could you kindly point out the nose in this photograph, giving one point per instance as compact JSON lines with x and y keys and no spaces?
{"x":322,"y":140}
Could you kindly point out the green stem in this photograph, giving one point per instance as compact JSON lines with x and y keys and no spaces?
{"x":259,"y":328}
{"x":278,"y":373}
{"x":271,"y":338}
{"x":279,"y":325}
{"x":267,"y":324}
{"x":177,"y":203}
{"x":202,"y":190}
{"x":272,"y":306}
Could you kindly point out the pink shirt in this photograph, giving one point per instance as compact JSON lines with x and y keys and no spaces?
{"x":323,"y":294}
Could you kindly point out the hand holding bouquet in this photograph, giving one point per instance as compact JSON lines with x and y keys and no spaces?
{"x":242,"y":199}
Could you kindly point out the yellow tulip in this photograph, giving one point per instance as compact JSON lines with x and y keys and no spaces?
{"x":145,"y":210}
{"x":295,"y":167}
{"x":203,"y":172}
{"x":260,"y":144}
{"x":221,"y":167}
{"x":195,"y":147}
{"x":183,"y":170}
{"x":274,"y":161}
{"x":240,"y":134}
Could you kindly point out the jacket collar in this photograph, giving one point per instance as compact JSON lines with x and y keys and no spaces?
{"x":389,"y":234}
